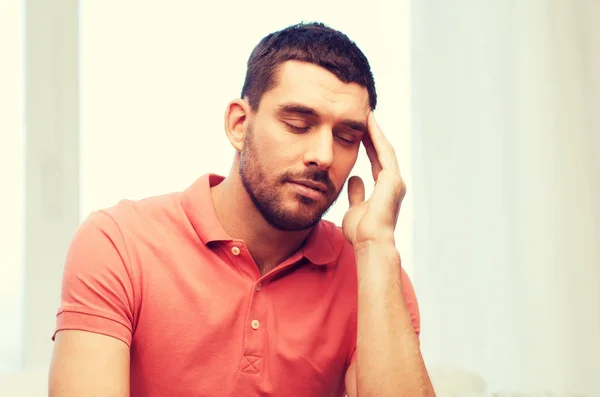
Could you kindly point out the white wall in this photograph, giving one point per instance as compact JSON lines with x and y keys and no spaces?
{"x":11,"y":179}
{"x":507,"y":190}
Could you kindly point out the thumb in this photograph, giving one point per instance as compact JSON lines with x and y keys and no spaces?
{"x":356,"y":190}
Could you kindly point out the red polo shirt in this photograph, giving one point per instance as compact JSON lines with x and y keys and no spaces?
{"x":162,"y":275}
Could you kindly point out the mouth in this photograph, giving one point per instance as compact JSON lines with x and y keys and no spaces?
{"x":319,"y":187}
{"x":309,"y":189}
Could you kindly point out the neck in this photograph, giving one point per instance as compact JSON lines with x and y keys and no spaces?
{"x":241,"y":220}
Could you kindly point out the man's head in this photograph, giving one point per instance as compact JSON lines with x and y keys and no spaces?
{"x":299,"y":124}
{"x":313,"y":43}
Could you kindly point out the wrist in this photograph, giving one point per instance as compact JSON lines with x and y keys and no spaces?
{"x":377,"y":263}
{"x":370,"y":248}
{"x":379,"y":244}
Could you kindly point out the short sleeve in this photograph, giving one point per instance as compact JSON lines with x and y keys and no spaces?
{"x":97,"y":292}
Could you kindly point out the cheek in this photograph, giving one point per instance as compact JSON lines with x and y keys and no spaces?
{"x":274,"y":160}
{"x":345,"y":162}
{"x":278,"y":147}
{"x":282,"y":155}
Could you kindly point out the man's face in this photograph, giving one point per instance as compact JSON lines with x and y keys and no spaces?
{"x":301,"y":144}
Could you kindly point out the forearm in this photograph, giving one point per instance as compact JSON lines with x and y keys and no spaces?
{"x":388,"y":358}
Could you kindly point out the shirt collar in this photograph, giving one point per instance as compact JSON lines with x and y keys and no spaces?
{"x":324,"y":244}
{"x":199,"y":207}
{"x":322,"y":247}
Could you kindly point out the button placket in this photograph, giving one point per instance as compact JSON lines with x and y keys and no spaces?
{"x":255,"y":331}
{"x":237,"y":255}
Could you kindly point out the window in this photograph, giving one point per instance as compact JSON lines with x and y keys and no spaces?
{"x":12,"y":177}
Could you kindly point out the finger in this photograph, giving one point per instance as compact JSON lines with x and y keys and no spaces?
{"x":372,"y":154}
{"x":356,"y":190}
{"x":384,"y":149}
{"x":391,"y":197}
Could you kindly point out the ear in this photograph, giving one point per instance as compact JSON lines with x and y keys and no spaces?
{"x":236,"y":119}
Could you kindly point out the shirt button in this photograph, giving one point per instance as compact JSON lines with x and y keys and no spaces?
{"x":235,"y":251}
{"x":258,"y":286}
{"x":255,"y":324}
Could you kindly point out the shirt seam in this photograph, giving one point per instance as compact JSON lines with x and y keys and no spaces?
{"x":128,"y":268}
{"x":94,"y":313}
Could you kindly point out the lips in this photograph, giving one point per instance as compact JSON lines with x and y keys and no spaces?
{"x":308,"y":189}
{"x":312,"y":185}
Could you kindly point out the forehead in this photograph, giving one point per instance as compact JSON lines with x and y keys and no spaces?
{"x":318,"y":88}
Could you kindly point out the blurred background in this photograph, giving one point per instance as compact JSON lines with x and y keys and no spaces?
{"x":493,"y":108}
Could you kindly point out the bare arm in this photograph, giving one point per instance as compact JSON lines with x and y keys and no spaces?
{"x":86,"y":364}
{"x":388,"y":359}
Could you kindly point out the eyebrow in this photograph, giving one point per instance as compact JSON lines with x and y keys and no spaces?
{"x":296,"y":108}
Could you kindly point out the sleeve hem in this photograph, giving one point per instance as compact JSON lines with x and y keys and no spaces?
{"x":96,"y":313}
{"x":86,"y":320}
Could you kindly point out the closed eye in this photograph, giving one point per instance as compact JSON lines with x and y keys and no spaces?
{"x":347,"y":140}
{"x":296,"y":128}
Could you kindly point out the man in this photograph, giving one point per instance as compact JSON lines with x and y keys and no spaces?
{"x":235,"y":286}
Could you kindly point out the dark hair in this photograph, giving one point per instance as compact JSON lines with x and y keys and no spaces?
{"x":315,"y":43}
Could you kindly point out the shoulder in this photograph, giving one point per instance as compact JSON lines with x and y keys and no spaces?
{"x":154,"y":217}
{"x":145,"y":211}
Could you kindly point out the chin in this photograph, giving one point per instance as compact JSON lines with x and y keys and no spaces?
{"x":298,"y":217}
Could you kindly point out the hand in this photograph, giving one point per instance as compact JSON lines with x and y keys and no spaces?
{"x":375,"y":219}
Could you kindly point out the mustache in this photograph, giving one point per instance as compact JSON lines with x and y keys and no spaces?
{"x":311,"y":174}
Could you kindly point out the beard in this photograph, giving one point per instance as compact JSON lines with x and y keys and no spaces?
{"x":269,"y":196}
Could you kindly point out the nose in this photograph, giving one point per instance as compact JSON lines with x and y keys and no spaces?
{"x":320,"y":149}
